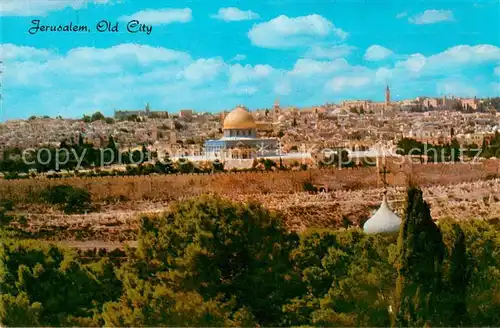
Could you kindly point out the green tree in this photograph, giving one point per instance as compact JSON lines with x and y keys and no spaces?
{"x":213,"y":248}
{"x":348,"y":279}
{"x":217,"y":166}
{"x":457,"y":282}
{"x":97,"y":116}
{"x":46,"y":285}
{"x":80,"y":140}
{"x":419,"y":265}
{"x":184,"y":166}
{"x":17,"y":311}
{"x":114,"y":149}
{"x":164,"y":165}
{"x":268,"y":164}
{"x":482,"y":273}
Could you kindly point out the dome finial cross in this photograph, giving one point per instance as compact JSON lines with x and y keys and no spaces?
{"x":384,"y":178}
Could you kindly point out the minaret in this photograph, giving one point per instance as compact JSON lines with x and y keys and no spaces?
{"x":387,"y":96}
{"x":387,"y":100}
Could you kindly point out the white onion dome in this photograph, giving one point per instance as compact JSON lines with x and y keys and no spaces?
{"x":383,"y":221}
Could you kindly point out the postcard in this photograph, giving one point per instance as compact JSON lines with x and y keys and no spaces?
{"x":264,"y":163}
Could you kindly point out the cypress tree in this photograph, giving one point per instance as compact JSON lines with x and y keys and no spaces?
{"x":80,"y":140}
{"x":420,"y":257}
{"x":112,"y":146}
{"x":458,"y":281}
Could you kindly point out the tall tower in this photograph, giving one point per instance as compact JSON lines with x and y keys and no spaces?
{"x":387,"y":96}
{"x":276,"y":109}
{"x":276,"y":106}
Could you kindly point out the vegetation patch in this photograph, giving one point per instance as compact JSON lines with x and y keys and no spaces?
{"x":71,"y":200}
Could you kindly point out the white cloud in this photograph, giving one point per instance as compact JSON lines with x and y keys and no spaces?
{"x":283,"y":88}
{"x":127,"y":75}
{"x":232,"y":14}
{"x":457,"y":87}
{"x":348,"y":82}
{"x":432,"y":16}
{"x":465,"y":55}
{"x":16,"y":53}
{"x":495,"y":86}
{"x":376,"y":52}
{"x":203,"y":70}
{"x":143,"y":54}
{"x":402,"y":15}
{"x":243,"y":90}
{"x":160,"y":16}
{"x":331,"y":52}
{"x":283,"y":32}
{"x":310,"y":67}
{"x":454,"y":58}
{"x":383,"y":75}
{"x":28,"y":66}
{"x":42,"y":7}
{"x":241,"y":74}
{"x":425,"y":74}
{"x":414,"y":63}
{"x":239,"y":57}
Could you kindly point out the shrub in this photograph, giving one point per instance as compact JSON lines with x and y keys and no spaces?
{"x":70,"y":199}
{"x":309,"y":187}
{"x":6,"y":205}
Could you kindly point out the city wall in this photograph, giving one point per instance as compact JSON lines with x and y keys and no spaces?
{"x":179,"y":186}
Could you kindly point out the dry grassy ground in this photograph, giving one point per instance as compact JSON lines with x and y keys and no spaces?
{"x":173,"y":187}
{"x":116,"y":223}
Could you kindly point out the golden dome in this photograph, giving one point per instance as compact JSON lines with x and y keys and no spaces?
{"x":239,"y":118}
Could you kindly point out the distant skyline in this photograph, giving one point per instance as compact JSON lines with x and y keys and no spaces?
{"x":214,"y":55}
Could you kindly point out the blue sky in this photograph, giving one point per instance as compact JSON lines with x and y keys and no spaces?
{"x":213,"y":55}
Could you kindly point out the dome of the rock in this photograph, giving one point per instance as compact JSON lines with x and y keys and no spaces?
{"x":239,"y":118}
{"x":383,"y":221}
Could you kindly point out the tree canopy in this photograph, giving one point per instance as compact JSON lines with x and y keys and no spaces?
{"x":212,"y":262}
